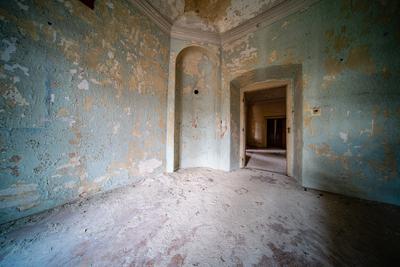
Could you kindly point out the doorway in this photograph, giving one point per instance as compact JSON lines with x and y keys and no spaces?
{"x":266,"y":129}
{"x":276,"y":137}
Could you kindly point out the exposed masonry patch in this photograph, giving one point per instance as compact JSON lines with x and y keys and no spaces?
{"x":13,"y":95}
{"x":95,"y":81}
{"x":110,"y":5}
{"x":83,"y":85}
{"x":344,"y":136}
{"x":369,"y":131}
{"x":116,"y":128}
{"x":14,"y":67}
{"x":22,"y":5}
{"x":9,"y":49}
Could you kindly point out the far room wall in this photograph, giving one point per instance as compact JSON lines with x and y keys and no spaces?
{"x":257,"y":113}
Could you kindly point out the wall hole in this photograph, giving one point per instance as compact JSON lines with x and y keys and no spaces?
{"x":196,"y":92}
{"x":316,"y":111}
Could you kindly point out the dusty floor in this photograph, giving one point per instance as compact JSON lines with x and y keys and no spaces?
{"x":202,"y":217}
{"x":273,"y":160}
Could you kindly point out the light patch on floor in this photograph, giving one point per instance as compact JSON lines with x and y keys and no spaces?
{"x":273,"y":160}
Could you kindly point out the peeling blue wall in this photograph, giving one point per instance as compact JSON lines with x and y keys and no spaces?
{"x":350,"y":58}
{"x":82,"y":101}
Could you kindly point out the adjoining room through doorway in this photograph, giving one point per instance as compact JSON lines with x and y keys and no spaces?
{"x":266,"y":129}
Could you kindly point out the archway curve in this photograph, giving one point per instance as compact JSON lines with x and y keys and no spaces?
{"x":278,"y":75}
{"x":205,"y":49}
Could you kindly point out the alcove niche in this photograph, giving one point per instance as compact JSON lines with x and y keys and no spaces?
{"x":196,"y":108}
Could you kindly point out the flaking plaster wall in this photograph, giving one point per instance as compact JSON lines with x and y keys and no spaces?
{"x":83,"y":100}
{"x":348,"y":52}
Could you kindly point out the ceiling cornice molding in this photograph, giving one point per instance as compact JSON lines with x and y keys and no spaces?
{"x":266,"y":18}
{"x":188,"y":34}
{"x":154,"y":15}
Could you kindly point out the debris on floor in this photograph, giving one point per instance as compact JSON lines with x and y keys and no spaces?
{"x":203,"y":217}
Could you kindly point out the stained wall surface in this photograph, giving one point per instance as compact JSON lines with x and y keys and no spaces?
{"x":350,"y":61}
{"x":82,"y":101}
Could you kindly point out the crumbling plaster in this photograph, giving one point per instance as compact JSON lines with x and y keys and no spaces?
{"x":82,"y":101}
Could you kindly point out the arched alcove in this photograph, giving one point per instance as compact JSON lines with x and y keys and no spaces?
{"x":195,"y":108}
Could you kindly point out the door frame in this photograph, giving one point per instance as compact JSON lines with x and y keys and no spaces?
{"x":265,"y":85}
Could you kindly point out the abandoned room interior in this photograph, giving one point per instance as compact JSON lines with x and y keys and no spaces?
{"x":199,"y":132}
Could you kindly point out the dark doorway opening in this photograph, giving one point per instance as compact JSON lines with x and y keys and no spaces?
{"x":276,"y":136}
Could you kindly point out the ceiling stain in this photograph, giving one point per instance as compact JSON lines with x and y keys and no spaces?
{"x":210,"y":10}
{"x":212,"y":15}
